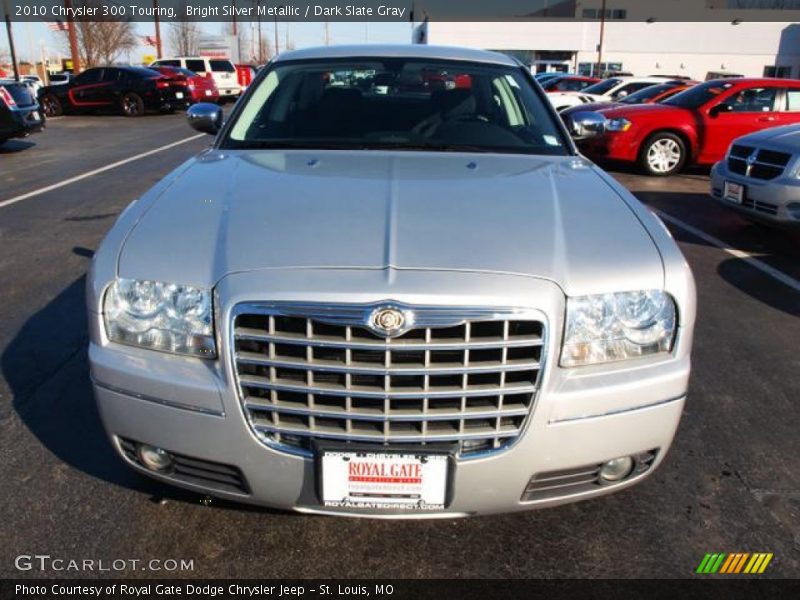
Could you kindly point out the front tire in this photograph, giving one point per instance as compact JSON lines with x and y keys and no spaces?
{"x":51,"y":106}
{"x":132,"y":105}
{"x":662,"y":154}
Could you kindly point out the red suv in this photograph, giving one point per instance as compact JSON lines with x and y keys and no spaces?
{"x":695,"y":126}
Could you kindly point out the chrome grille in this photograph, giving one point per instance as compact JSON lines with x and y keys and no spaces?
{"x":465,"y":376}
{"x":764,"y":164}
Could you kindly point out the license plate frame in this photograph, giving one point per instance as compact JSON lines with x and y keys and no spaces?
{"x":395,"y":496}
{"x":733,"y":192}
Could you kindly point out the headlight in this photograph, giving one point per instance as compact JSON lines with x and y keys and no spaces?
{"x":618,"y":125}
{"x":160,"y":316}
{"x":609,"y":327}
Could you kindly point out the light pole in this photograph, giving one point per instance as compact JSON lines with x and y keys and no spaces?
{"x":158,"y":28}
{"x":602,"y":33}
{"x":73,"y":39}
{"x":10,"y":35}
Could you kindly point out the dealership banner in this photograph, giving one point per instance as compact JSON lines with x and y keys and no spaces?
{"x":414,"y":11}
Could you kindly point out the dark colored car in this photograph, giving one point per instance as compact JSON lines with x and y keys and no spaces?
{"x":19,"y":112}
{"x":648,"y":95}
{"x":198,"y":87}
{"x":695,"y":126}
{"x":568,"y":83}
{"x":129,"y":90}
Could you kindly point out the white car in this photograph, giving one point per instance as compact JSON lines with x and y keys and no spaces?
{"x":608,"y":90}
{"x":222,"y":70}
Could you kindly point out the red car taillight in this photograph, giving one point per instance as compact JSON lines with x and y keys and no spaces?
{"x":7,"y":98}
{"x":162,"y":84}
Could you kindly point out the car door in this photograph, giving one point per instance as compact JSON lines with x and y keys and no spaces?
{"x":110,"y":92}
{"x":83,"y":93}
{"x":790,"y":105}
{"x":747,"y":109}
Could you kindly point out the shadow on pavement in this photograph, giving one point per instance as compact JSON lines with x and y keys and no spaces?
{"x":15,"y":145}
{"x":46,"y":367}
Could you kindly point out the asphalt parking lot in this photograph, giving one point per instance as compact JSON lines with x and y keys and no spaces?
{"x":730,"y":483}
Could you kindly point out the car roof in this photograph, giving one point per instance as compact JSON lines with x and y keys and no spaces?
{"x":399,"y":51}
{"x":739,"y":81}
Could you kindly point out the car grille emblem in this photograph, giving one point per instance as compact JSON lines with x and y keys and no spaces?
{"x":751,"y":160}
{"x":389,"y":321}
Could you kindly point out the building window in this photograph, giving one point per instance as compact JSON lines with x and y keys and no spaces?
{"x":589,"y":69}
{"x":615,"y":14}
{"x":780,"y":72}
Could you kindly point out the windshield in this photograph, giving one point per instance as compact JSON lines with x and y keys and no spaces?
{"x":601,"y":87}
{"x":647,"y":93}
{"x":397,"y":103}
{"x":698,"y":95}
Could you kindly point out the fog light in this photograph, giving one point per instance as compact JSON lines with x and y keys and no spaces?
{"x":617,"y":469}
{"x":155,"y":459}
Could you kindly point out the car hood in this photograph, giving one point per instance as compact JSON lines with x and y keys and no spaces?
{"x":591,"y":107}
{"x":655,"y":111}
{"x":786,"y":138}
{"x":546,"y":217}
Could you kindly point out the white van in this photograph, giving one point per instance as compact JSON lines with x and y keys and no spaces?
{"x":222,"y":70}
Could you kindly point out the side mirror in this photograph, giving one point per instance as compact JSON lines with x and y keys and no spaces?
{"x":205,"y":117}
{"x":722,"y":107}
{"x":584,"y":124}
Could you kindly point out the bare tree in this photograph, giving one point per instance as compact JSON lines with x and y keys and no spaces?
{"x":183,"y":37}
{"x":101,"y":42}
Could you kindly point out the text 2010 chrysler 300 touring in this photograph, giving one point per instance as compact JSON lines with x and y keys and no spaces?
{"x":391,"y":287}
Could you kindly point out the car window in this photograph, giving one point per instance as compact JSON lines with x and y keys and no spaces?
{"x":699,"y":95}
{"x":792,"y":102}
{"x":397,"y":103}
{"x":631,"y":88}
{"x":222,"y":66}
{"x":601,"y":87}
{"x":753,"y":100}
{"x":167,"y":63}
{"x":196,"y":65}
{"x":573,"y":85}
{"x":111,"y":75}
{"x":89,"y":76}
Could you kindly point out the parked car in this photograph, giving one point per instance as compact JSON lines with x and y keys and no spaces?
{"x":198,"y":88}
{"x":568,"y":83}
{"x":320,"y":333}
{"x":245,"y":75}
{"x":695,"y":126}
{"x":758,"y":176}
{"x":545,"y":75}
{"x":129,"y":90}
{"x":60,"y":78}
{"x":20,"y":115}
{"x":34,"y":82}
{"x":648,"y":95}
{"x":607,"y":90}
{"x":221,"y":70}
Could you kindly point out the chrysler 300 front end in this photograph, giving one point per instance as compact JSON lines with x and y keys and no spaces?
{"x":375,"y":296}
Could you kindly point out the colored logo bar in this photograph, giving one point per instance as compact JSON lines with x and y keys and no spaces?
{"x":734,"y":563}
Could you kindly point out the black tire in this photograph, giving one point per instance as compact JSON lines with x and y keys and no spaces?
{"x":132,"y":105}
{"x":51,"y":106}
{"x":662,"y":154}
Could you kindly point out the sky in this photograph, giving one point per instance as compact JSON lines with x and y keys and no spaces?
{"x":30,"y":38}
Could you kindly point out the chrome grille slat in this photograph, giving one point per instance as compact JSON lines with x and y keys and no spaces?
{"x":244,"y":333}
{"x":468,"y":376}
{"x":367,"y":369}
{"x":356,"y":392}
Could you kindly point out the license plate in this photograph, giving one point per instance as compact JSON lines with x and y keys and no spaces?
{"x":208,"y":92}
{"x":35,"y":116}
{"x":733,"y":192}
{"x":384,"y":480}
{"x":179,"y":95}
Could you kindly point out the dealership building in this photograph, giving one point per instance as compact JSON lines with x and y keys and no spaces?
{"x":720,"y":40}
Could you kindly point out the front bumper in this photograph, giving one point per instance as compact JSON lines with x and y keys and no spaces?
{"x":581,"y":417}
{"x":764,"y":201}
{"x":619,"y":146}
